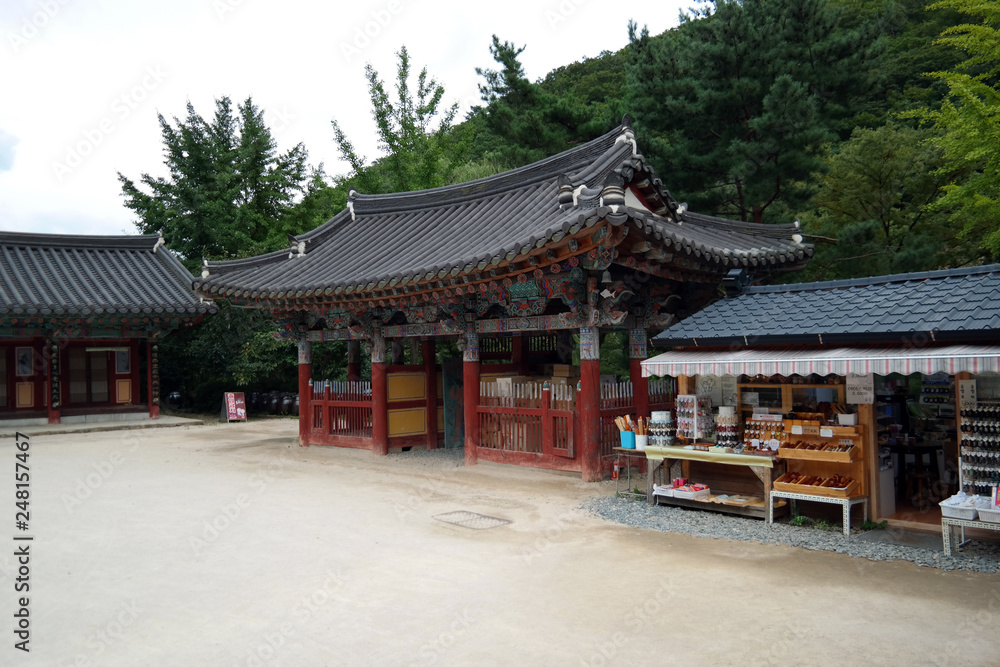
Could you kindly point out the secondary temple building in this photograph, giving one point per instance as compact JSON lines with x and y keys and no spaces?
{"x":524,"y":271}
{"x":80,"y":321}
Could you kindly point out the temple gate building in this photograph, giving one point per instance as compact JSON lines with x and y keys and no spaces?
{"x":524,"y":270}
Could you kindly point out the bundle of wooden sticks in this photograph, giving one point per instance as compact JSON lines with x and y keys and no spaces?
{"x":640,"y":426}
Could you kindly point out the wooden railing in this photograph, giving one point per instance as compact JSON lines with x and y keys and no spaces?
{"x":616,"y":401}
{"x":662,"y":393}
{"x":342,"y":409}
{"x":528,"y":417}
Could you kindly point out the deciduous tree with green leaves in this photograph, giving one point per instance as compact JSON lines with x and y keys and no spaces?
{"x":875,"y":200}
{"x":413,"y":131}
{"x":229,"y":192}
{"x":969,"y":122}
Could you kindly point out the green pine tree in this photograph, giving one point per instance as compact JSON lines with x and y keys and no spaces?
{"x":737,"y":103}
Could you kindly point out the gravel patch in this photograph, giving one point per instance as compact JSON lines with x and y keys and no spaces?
{"x":442,"y":457}
{"x":977,"y":556}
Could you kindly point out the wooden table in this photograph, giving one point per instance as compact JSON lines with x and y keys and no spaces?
{"x":760,"y":465}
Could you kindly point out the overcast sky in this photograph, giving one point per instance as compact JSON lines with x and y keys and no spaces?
{"x":86,"y":78}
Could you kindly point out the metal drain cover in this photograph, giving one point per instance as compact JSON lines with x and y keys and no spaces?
{"x":472,"y":520}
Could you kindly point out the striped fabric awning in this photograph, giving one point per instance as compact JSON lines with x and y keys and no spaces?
{"x":974,"y":359}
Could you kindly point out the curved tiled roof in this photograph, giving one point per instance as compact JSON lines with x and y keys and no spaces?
{"x":61,"y":275}
{"x":407,"y":238}
{"x":939,"y":305}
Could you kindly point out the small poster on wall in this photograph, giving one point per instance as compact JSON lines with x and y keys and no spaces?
{"x":234,"y":407}
{"x":860,"y":388}
{"x":729,"y":390}
{"x":710,"y":386}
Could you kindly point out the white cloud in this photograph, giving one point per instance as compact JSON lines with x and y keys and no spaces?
{"x":90,"y":77}
{"x":7,"y":144}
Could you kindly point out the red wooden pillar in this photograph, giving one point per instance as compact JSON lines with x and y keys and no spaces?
{"x":470,"y":383}
{"x":427,"y":352}
{"x":305,"y":390}
{"x":353,"y":361}
{"x":55,"y":393}
{"x":380,"y":398}
{"x":640,"y":385}
{"x":589,"y":404}
{"x":547,"y":434}
{"x":153,"y":378}
{"x":134,"y":375}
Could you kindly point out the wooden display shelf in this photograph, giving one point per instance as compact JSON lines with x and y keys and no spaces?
{"x":756,"y":511}
{"x":817,"y":490}
{"x":850,"y":455}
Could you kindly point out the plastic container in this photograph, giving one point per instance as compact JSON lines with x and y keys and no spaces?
{"x":641,"y":441}
{"x":691,"y":495}
{"x":955,"y":512}
{"x":989,"y":515}
{"x":628,"y":439}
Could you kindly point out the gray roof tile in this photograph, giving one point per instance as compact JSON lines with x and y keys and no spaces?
{"x":406,"y":236}
{"x":67,"y":275}
{"x":955,"y":300}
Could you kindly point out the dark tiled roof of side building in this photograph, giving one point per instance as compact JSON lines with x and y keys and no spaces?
{"x":954,"y":304}
{"x":406,"y":238}
{"x":70,"y":275}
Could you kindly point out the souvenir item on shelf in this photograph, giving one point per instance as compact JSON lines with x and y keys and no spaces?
{"x":979,"y":460}
{"x":727,"y":427}
{"x":694,"y":417}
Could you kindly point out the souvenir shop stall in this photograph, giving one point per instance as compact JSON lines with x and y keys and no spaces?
{"x":878,"y":395}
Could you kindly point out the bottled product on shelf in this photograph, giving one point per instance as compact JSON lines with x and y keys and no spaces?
{"x":727,"y":427}
{"x":661,"y":428}
{"x":979,"y":460}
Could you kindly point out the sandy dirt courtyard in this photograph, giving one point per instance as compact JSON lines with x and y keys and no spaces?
{"x":231,"y":545}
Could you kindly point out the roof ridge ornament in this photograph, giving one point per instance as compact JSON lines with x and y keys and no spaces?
{"x":352,"y":194}
{"x":159,"y":242}
{"x":296,"y":248}
{"x":204,"y":268}
{"x":628,"y":137}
